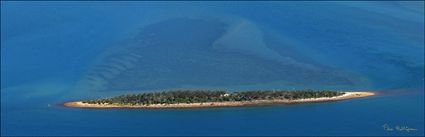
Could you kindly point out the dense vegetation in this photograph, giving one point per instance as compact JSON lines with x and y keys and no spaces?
{"x":198,"y":96}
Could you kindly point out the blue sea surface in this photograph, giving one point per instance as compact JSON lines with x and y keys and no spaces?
{"x":54,"y":52}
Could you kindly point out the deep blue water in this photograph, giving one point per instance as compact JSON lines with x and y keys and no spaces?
{"x":48,"y":49}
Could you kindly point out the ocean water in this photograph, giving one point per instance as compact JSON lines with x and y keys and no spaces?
{"x":53,"y":52}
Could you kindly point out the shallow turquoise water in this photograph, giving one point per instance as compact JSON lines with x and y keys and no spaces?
{"x":47,"y":47}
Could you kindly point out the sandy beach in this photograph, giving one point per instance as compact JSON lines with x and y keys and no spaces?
{"x":347,"y":95}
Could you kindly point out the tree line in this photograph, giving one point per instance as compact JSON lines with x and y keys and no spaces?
{"x":199,"y":96}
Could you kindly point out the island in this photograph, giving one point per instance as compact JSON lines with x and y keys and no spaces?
{"x":216,"y":98}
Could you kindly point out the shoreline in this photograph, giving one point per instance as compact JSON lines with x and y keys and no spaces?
{"x":347,"y":95}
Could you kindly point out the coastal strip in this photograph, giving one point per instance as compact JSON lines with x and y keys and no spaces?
{"x":347,"y":95}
